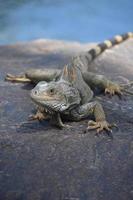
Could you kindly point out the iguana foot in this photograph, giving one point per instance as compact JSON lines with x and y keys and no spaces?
{"x":100,"y":126}
{"x":39,"y":116}
{"x":21,"y":78}
{"x":113,"y":88}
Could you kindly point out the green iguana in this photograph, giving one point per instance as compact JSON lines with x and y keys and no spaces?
{"x":69,"y":93}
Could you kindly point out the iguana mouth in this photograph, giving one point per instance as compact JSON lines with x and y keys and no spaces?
{"x":45,"y":98}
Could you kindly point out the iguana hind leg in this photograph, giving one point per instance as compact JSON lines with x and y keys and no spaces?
{"x":35,"y":75}
{"x":19,"y":78}
{"x":109,"y":87}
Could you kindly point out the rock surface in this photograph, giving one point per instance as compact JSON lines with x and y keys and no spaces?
{"x":41,"y":162}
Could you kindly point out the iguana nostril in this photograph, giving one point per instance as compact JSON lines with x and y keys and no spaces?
{"x":35,"y":92}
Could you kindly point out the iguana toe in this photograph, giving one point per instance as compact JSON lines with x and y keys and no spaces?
{"x":99,"y":126}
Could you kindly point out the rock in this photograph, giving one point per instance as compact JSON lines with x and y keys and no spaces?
{"x":38,"y":161}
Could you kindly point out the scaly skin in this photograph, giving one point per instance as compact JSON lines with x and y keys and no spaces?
{"x":68,"y":93}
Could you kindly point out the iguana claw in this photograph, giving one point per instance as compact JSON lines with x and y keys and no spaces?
{"x":100,"y":126}
{"x":113,"y":89}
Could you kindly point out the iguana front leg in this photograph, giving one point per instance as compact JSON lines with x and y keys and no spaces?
{"x":95,"y":109}
{"x":42,"y":114}
{"x":57,"y":121}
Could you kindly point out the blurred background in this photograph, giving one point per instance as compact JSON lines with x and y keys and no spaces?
{"x":73,"y":20}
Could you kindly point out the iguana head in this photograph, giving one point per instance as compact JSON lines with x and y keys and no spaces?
{"x":55,"y":96}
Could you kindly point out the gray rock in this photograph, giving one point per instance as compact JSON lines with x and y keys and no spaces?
{"x":41,"y":162}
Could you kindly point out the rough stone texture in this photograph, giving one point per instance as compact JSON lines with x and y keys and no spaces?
{"x":41,"y":162}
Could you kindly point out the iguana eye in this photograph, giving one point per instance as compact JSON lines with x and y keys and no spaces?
{"x":51,"y":91}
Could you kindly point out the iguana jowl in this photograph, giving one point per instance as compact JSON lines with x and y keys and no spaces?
{"x":68,"y":93}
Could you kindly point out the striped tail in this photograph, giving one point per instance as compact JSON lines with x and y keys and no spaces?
{"x":101,"y":47}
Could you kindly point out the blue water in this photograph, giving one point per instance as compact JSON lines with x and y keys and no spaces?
{"x":83,"y":21}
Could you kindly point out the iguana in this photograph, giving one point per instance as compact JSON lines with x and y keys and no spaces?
{"x":68,"y":93}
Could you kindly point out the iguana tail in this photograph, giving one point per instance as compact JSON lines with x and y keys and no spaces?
{"x":101,"y":47}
